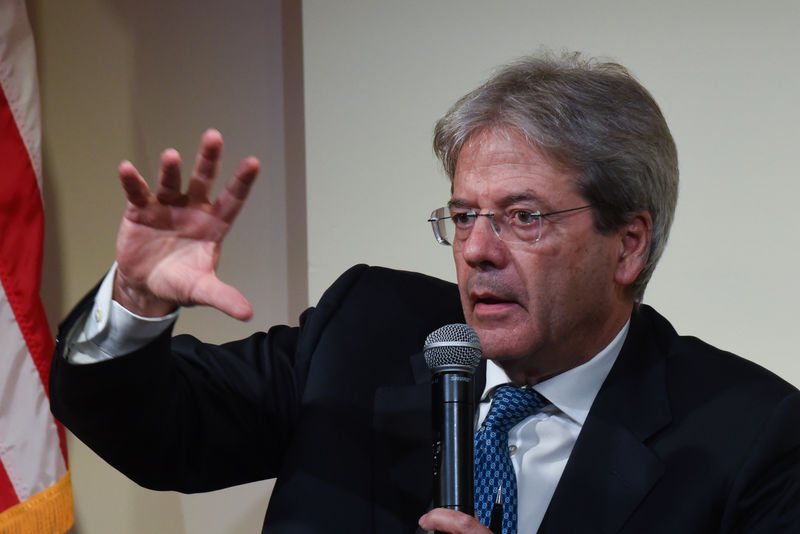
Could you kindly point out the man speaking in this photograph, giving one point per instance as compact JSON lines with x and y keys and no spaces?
{"x":594,"y":414}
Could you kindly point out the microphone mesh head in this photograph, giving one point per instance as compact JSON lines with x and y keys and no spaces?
{"x":453,"y":345}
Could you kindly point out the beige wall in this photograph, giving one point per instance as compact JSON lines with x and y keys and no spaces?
{"x":124,"y":79}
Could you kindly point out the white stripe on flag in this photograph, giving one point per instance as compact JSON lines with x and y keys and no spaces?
{"x":18,"y":78}
{"x":29,"y":448}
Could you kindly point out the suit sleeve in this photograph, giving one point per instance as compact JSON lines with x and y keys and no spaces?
{"x":765,"y":496}
{"x":183,"y":415}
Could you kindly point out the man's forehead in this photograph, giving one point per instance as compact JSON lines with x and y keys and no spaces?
{"x":501,"y":166}
{"x":498,"y":143}
{"x":507,"y":147}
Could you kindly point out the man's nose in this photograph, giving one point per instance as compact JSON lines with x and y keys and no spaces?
{"x":483,"y":246}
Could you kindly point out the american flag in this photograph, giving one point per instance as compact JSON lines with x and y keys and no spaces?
{"x":35,"y":490}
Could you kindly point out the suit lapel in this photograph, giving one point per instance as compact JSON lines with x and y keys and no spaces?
{"x":611,"y":469}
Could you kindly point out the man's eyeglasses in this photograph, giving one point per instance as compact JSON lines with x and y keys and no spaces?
{"x":454,"y":225}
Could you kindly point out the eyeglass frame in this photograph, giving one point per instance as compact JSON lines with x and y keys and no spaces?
{"x":435,"y":219}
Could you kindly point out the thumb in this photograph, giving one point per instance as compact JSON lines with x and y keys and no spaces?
{"x":211,"y":291}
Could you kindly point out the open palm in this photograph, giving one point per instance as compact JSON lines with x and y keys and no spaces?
{"x":169,"y":242}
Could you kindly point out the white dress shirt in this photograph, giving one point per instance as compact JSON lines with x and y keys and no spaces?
{"x":109,"y":330}
{"x":539,"y":446}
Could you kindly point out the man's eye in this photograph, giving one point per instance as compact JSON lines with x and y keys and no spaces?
{"x":524,"y":217}
{"x":462,"y":219}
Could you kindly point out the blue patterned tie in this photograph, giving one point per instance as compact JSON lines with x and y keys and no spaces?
{"x":493,"y":467}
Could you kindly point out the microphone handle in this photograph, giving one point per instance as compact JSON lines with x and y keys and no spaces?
{"x":453,"y":453}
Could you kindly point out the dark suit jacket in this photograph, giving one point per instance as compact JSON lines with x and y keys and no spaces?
{"x":681,"y":438}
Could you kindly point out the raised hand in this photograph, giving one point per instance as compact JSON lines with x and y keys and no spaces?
{"x":169,"y":242}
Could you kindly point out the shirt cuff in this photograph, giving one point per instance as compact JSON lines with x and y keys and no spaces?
{"x":109,"y":330}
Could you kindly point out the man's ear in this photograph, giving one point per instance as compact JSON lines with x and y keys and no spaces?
{"x":634,"y":238}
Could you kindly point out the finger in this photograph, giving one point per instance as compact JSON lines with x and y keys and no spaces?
{"x":231,"y":200}
{"x":211,"y":291}
{"x":205,"y":166}
{"x":136,"y":189}
{"x":169,"y":178}
{"x":444,"y":520}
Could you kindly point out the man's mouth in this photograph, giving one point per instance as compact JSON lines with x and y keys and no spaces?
{"x":491,"y":296}
{"x":491,"y":300}
{"x":489,"y":303}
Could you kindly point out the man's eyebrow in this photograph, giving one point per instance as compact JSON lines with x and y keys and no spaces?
{"x":458,"y":203}
{"x":525,"y":196}
{"x":512,"y":198}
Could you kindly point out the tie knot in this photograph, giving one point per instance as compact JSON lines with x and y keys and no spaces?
{"x":510,"y":405}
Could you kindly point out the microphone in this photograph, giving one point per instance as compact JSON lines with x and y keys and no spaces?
{"x":452,"y":353}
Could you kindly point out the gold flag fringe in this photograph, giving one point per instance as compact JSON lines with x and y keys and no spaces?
{"x":47,"y":512}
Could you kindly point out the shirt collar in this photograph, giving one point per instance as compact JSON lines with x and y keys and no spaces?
{"x":574,"y":390}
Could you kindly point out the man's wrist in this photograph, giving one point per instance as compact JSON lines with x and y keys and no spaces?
{"x":139,"y":302}
{"x":109,"y":330}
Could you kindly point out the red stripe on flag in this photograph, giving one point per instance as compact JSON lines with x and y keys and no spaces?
{"x":21,"y":237}
{"x":8,"y":497}
{"x":22,"y":223}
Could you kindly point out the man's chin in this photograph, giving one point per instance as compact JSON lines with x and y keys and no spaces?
{"x":501,"y":358}
{"x":499,"y":345}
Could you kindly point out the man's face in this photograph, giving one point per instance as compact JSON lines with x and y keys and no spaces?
{"x":544,"y":307}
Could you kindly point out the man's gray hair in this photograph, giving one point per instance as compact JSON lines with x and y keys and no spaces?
{"x":594,"y":119}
